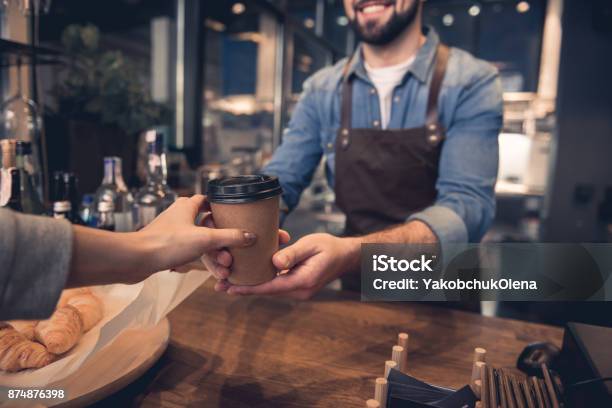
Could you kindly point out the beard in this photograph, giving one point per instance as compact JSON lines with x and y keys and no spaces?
{"x":371,"y":33}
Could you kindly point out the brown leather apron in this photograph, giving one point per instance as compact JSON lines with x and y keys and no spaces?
{"x":384,"y":176}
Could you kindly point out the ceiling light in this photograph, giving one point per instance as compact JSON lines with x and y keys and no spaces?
{"x":238,"y":8}
{"x":342,"y":21}
{"x":523,"y":7}
{"x":474,"y":10}
{"x":309,"y":23}
{"x":448,"y":20}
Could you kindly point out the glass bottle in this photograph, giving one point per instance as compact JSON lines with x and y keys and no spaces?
{"x":30,"y":200}
{"x":8,"y":147}
{"x":155,"y":196}
{"x":71,"y":194}
{"x":87,"y":210}
{"x":7,"y":160}
{"x":31,"y":167}
{"x":113,"y":189}
{"x":56,"y":189}
{"x":105,"y":216}
{"x":62,"y":209}
{"x":11,"y":190}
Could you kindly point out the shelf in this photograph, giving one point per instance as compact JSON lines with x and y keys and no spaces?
{"x":11,"y":50}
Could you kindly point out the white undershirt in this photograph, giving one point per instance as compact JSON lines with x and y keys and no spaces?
{"x":385,"y":80}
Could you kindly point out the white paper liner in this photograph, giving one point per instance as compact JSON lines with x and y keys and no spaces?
{"x":125,"y":307}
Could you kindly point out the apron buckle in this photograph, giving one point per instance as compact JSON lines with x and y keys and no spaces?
{"x":433,"y":134}
{"x":344,"y":139}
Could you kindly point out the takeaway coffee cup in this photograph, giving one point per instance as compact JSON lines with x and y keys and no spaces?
{"x":250,"y":203}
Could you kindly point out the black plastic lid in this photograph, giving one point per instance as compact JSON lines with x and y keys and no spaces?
{"x":243,"y":189}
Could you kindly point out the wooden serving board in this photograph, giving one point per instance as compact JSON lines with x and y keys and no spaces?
{"x":114,"y":367}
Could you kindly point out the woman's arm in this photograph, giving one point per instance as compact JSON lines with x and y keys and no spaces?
{"x":39,"y":255}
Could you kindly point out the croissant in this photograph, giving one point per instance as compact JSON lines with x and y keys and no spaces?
{"x":18,"y":353}
{"x":89,"y":307}
{"x":60,"y":332}
{"x":68,"y":293}
{"x":25,"y":327}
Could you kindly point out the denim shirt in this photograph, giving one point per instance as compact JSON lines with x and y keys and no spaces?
{"x":470,"y":106}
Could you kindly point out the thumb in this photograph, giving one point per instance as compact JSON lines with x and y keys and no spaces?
{"x":292,"y":255}
{"x":221,"y":238}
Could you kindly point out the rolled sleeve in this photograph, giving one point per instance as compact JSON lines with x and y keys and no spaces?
{"x":447,"y":225}
{"x":35,"y":262}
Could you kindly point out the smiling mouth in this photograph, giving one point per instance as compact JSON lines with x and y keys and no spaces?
{"x":373,"y":6}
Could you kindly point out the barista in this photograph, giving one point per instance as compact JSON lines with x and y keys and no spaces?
{"x":408,"y":128}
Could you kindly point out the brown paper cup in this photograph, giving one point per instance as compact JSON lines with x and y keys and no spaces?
{"x":251,"y":265}
{"x":258,"y":214}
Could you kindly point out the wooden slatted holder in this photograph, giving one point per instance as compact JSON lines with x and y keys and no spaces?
{"x":397,"y":355}
{"x":477,"y":376}
{"x":380,"y":391}
{"x":480,"y":354}
{"x":492,"y":387}
{"x":389,"y":364}
{"x":402,"y":341}
{"x":372,"y":403}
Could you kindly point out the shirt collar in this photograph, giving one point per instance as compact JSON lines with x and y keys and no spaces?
{"x":419,"y":68}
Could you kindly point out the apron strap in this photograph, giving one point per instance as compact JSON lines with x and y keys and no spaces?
{"x":346,"y":97}
{"x":346,"y":104}
{"x":442,"y":57}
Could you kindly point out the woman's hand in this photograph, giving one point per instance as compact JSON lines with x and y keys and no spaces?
{"x":170,"y":241}
{"x":180,"y":240}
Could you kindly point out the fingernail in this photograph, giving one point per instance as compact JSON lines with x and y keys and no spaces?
{"x":285,"y":261}
{"x":249,"y":237}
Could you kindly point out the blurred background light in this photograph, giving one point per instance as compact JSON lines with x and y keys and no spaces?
{"x":342,"y":21}
{"x":522,"y":7}
{"x":238,"y":8}
{"x":448,"y":20}
{"x":309,"y":23}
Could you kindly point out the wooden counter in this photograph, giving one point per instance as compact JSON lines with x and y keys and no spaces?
{"x":267,"y":352}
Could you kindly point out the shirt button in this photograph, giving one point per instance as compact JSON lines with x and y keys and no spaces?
{"x":372,"y":91}
{"x":330,"y":145}
{"x":376,"y":123}
{"x":396,"y":99}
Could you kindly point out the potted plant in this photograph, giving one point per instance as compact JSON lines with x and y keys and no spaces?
{"x":103,"y":102}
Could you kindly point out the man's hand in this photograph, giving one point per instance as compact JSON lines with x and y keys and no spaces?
{"x":218,"y":261}
{"x":308,"y":265}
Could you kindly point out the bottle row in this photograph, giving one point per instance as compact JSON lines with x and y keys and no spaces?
{"x":112,"y":207}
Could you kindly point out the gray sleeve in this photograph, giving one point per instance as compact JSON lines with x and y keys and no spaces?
{"x":35,"y":254}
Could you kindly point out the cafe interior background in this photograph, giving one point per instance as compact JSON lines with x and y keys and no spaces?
{"x":221,"y":80}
